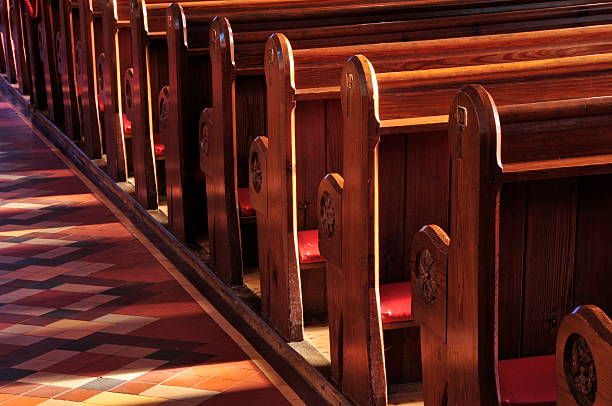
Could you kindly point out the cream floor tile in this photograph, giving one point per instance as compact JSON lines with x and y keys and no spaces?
{"x":111,"y":398}
{"x":180,"y":393}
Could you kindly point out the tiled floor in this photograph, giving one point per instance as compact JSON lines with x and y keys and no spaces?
{"x":91,"y":313}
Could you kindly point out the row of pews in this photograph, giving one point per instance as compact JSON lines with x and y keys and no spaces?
{"x":430,"y":180}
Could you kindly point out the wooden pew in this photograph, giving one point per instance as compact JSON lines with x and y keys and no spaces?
{"x":490,"y":147}
{"x":114,"y":63}
{"x":7,"y":42}
{"x":48,"y":28}
{"x":314,"y":100}
{"x":87,"y":49}
{"x":541,"y":380}
{"x":148,"y":76}
{"x":395,"y":161}
{"x":234,"y":127}
{"x":18,"y":37}
{"x":190,"y":44}
{"x":30,"y":20}
{"x":66,"y":38}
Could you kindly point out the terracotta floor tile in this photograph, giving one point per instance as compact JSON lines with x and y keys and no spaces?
{"x":47,"y":391}
{"x":77,"y":395}
{"x":82,"y":287}
{"x":132,"y":388}
{"x":186,"y":380}
{"x":23,"y":401}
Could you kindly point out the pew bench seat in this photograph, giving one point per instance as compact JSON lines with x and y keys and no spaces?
{"x":528,"y":381}
{"x":308,"y":247}
{"x":395,"y":304}
{"x":158,"y":147}
{"x":244,"y":202}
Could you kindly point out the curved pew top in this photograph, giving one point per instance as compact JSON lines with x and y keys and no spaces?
{"x":402,"y":94}
{"x":252,"y":13}
{"x":317,"y":69}
{"x":249,"y":45}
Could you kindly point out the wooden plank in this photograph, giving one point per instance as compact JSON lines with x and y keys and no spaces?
{"x":310,"y":160}
{"x":591,"y":281}
{"x":87,"y":81}
{"x":140,"y":101}
{"x":513,"y":208}
{"x":549,"y":262}
{"x":66,"y":70}
{"x":47,"y":30}
{"x":114,"y":139}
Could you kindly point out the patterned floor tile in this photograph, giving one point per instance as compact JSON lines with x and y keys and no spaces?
{"x":90,"y":311}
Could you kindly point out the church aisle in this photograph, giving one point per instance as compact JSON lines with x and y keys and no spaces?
{"x":91,"y":313}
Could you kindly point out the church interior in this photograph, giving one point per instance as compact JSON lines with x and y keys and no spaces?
{"x":305,"y":202}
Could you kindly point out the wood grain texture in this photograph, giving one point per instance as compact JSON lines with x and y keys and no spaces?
{"x":48,"y":28}
{"x":362,"y":359}
{"x":67,"y":68}
{"x":286,"y":314}
{"x":592,"y":325}
{"x":141,"y":111}
{"x":473,"y":263}
{"x":33,"y":62}
{"x":222,"y":180}
{"x":92,"y":133}
{"x":428,"y":273}
{"x":549,"y":262}
{"x":7,"y":42}
{"x":116,"y":160}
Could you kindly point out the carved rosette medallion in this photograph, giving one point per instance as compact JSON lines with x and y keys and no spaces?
{"x":426,"y":282}
{"x":163,"y":114}
{"x":60,"y":51}
{"x":580,"y":371}
{"x":328,"y":215}
{"x":79,"y":51}
{"x":101,"y":73}
{"x":256,"y":173}
{"x":128,"y":94}
{"x":204,"y":140}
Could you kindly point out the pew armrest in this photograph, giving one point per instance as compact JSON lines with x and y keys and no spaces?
{"x":128,"y":88}
{"x":428,"y":272}
{"x":584,"y":358}
{"x":205,"y":133}
{"x":329,"y":207}
{"x":258,"y":175}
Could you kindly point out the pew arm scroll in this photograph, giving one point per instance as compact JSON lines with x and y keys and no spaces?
{"x":329,"y":207}
{"x":258,"y":175}
{"x":584,"y":358}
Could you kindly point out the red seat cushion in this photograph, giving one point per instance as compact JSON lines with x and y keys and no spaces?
{"x":528,"y":381}
{"x":396,"y":302}
{"x":160,"y":149}
{"x":245,"y":203}
{"x":127,"y":124}
{"x":308,"y":247}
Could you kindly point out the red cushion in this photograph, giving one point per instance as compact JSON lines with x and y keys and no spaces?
{"x":396,"y":302}
{"x":160,"y":150}
{"x":245,"y":203}
{"x":528,"y":381}
{"x":308,"y":247}
{"x":127,"y":124}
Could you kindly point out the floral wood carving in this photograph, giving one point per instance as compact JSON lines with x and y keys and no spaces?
{"x":256,"y":173}
{"x":163,"y":113}
{"x":426,"y":282}
{"x":580,"y":371}
{"x":128,"y":94}
{"x":204,"y":139}
{"x":328,"y":215}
